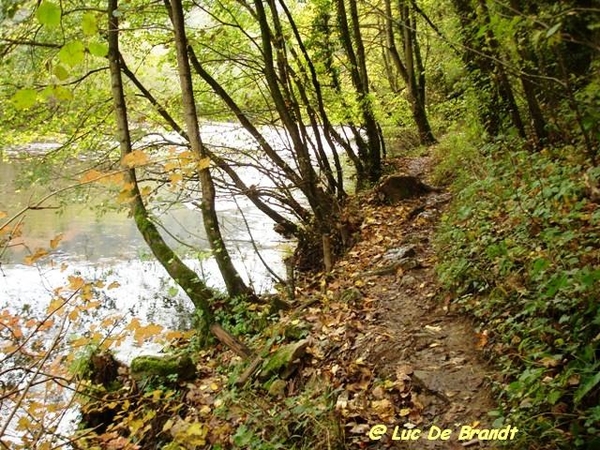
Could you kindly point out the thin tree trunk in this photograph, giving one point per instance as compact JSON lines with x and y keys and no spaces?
{"x":482,"y":63}
{"x":193,"y":286}
{"x":529,"y":62}
{"x":416,"y":79}
{"x":233,"y":281}
{"x":285,"y":225}
{"x":371,"y":155}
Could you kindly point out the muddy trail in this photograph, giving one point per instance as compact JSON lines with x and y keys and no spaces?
{"x":401,"y":356}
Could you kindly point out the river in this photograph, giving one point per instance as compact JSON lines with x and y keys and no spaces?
{"x":99,"y":244}
{"x":103,"y":246}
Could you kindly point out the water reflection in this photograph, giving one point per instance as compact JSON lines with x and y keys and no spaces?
{"x":109,"y":246}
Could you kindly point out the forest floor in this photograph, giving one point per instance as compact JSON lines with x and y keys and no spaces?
{"x":384,"y":356}
{"x":408,"y":358}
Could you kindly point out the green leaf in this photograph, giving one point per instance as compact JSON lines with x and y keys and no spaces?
{"x":61,"y":73}
{"x":72,"y":53}
{"x":553,"y":30}
{"x":25,"y":98}
{"x":56,"y":93}
{"x":62,"y":93}
{"x":586,"y":387}
{"x":98,"y":49}
{"x":554,"y":396}
{"x":48,"y":14}
{"x":89,"y":25}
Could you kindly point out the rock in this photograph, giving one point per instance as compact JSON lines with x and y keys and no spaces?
{"x":398,"y":253}
{"x":283,"y":359}
{"x":163,"y":368}
{"x":396,"y":188}
{"x":407,"y":264}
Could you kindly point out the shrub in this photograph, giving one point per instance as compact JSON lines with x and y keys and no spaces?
{"x":520,"y":249}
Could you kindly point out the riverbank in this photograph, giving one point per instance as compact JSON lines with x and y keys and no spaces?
{"x":371,"y":345}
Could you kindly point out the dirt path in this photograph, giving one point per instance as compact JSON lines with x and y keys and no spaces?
{"x":407,"y":360}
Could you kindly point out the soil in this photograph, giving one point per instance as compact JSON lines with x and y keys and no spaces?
{"x":418,"y":361}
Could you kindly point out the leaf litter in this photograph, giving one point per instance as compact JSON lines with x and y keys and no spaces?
{"x":379,"y":338}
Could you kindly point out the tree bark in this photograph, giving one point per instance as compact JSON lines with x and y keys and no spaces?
{"x":481,"y":59}
{"x":193,"y":286}
{"x":371,"y":155}
{"x":233,"y":281}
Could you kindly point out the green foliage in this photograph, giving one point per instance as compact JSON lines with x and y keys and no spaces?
{"x":519,"y":248}
{"x":305,"y":420}
{"x":241,"y":317}
{"x":49,"y":14}
{"x":81,"y":366}
{"x":457,"y":156}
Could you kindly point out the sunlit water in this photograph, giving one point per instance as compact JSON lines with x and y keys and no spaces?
{"x":107,"y":246}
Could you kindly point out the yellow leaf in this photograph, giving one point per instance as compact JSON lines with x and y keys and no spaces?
{"x":87,"y":293}
{"x":108,"y":322}
{"x":16,"y":332}
{"x":136,"y":158}
{"x":153,"y":328}
{"x":203,"y":163}
{"x":195,"y":434}
{"x":135,"y":425}
{"x":168,"y":425}
{"x":175,"y":177}
{"x":404,"y":412}
{"x":73,"y":315}
{"x":186,"y":157}
{"x":113,"y":285}
{"x":39,"y":253}
{"x":23,"y":423}
{"x":143,"y":333}
{"x":170,"y":166}
{"x":75,"y":283}
{"x":46,"y":325}
{"x":124,"y":196}
{"x":115,"y":179}
{"x":54,"y":242}
{"x":172,"y":335}
{"x":80,"y":342}
{"x":134,"y":324}
{"x":91,"y":175}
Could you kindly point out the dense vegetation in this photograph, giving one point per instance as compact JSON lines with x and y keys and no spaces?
{"x":505,"y":93}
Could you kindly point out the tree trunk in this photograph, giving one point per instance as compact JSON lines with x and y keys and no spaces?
{"x":528,"y":63}
{"x":233,"y":281}
{"x":197,"y":291}
{"x":415,"y":74}
{"x":371,"y":152}
{"x":488,"y":74}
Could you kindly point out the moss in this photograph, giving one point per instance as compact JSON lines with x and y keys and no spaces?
{"x":163,"y":367}
{"x":284,"y":357}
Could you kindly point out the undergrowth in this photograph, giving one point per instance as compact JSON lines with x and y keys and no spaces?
{"x":520,"y":250}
